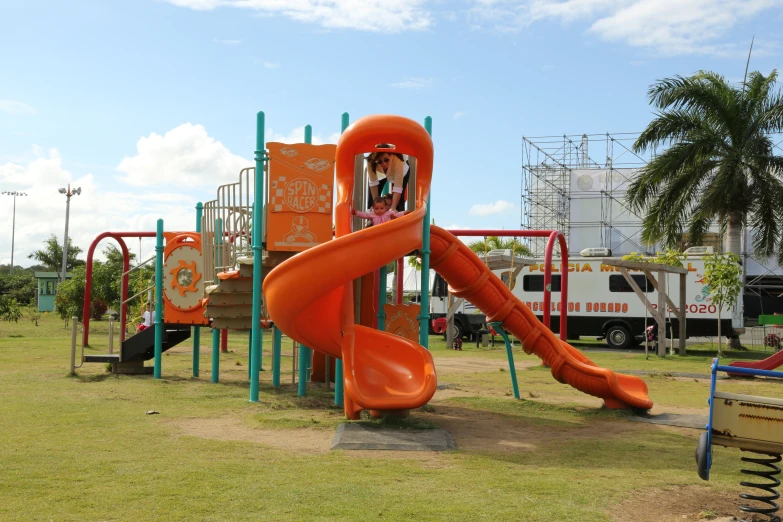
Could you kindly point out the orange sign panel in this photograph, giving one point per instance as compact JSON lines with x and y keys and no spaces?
{"x":183,"y":282}
{"x":402,"y":320}
{"x":301,"y":184}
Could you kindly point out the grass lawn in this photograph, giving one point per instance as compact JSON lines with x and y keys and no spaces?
{"x":82,"y":448}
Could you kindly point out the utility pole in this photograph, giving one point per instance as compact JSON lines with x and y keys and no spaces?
{"x":68,"y":193}
{"x":13,"y":225}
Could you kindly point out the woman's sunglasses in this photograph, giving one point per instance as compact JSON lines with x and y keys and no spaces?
{"x":384,"y":160}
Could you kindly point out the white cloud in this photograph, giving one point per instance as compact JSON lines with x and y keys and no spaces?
{"x":413,"y":83}
{"x":487,"y":209}
{"x":459,"y":114}
{"x":363,"y":15}
{"x":16,"y":107}
{"x":270,"y":65}
{"x":98,"y":209}
{"x":185,"y":156}
{"x":226,"y":42}
{"x":297,"y":136}
{"x":669,"y":26}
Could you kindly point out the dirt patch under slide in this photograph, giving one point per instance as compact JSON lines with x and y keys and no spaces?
{"x":680,"y":503}
{"x":493,"y":432}
{"x":476,"y":364}
{"x":230,"y":429}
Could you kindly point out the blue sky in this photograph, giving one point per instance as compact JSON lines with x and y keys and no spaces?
{"x":150,"y":104}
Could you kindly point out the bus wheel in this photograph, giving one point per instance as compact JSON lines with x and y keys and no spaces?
{"x":618,"y":337}
{"x":456,"y":330}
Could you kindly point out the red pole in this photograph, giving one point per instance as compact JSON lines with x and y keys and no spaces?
{"x":88,"y":275}
{"x":553,"y":235}
{"x":124,"y":287}
{"x":224,"y":340}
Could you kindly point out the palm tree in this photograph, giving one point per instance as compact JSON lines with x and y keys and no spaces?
{"x":51,"y":256}
{"x":719,"y":166}
{"x":497,"y":243}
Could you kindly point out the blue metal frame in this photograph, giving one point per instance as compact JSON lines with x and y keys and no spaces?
{"x":715,"y":368}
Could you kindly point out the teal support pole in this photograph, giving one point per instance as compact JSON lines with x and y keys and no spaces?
{"x":216,"y":331}
{"x":305,"y":353}
{"x":249,"y":351}
{"x":277,"y":341}
{"x":424,"y":312}
{"x":338,"y":364}
{"x":304,"y":363}
{"x":511,"y":368}
{"x":197,"y":329}
{"x":258,"y":248}
{"x":158,"y":298}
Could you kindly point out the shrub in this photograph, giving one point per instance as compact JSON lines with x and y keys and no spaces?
{"x":98,"y":308}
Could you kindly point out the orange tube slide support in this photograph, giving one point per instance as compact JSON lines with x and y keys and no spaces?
{"x":471,"y":279}
{"x":311,"y":295}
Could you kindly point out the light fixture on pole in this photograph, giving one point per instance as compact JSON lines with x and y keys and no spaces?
{"x":13,"y":225}
{"x":68,"y":193}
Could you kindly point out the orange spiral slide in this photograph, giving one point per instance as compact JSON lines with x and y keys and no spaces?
{"x":311,"y":296}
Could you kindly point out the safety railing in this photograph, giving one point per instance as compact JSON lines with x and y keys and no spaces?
{"x":226,"y":228}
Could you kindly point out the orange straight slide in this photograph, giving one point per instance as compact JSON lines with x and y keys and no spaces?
{"x":310,"y":297}
{"x":471,"y":279}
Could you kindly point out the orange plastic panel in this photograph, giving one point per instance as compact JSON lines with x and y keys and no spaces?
{"x":402,"y":320}
{"x":183,"y":281}
{"x":301,"y":184}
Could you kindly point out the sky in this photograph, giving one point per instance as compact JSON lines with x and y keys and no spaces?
{"x":149,"y":105}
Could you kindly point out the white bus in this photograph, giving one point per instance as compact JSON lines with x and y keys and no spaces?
{"x":601,"y":303}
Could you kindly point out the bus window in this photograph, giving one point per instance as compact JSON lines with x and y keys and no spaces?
{"x":535,"y":283}
{"x":439,"y":287}
{"x":617,"y":283}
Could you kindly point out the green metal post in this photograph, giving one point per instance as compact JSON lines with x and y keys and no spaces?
{"x":158,"y":298}
{"x":338,"y":364}
{"x":511,"y":368}
{"x":258,"y":210}
{"x":216,"y":331}
{"x":305,"y":353}
{"x":277,"y":341}
{"x":197,"y":329}
{"x":304,"y":362}
{"x":249,"y":351}
{"x":424,"y":312}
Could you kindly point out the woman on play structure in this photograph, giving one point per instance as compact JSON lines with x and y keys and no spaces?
{"x":388,"y":167}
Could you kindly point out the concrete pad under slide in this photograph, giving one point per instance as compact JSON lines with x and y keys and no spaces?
{"x":696,"y":422}
{"x":359,"y":437}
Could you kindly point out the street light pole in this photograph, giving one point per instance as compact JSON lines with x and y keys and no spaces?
{"x":68,"y":193}
{"x":13,"y":224}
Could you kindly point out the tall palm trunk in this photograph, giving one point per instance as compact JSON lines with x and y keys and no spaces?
{"x":732,"y":240}
{"x":732,"y":244}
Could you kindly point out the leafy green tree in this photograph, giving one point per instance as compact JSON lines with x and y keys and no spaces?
{"x":22,"y":286}
{"x":51,"y":256}
{"x":720,"y":163}
{"x":497,"y":243}
{"x":10,"y":310}
{"x":107,"y":277}
{"x":70,"y":295}
{"x":723,"y":276}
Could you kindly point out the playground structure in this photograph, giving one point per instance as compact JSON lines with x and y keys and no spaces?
{"x":752,"y":424}
{"x":324,"y":293}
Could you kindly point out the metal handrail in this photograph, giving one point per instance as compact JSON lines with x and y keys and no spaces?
{"x":137,"y":295}
{"x":139,"y":265}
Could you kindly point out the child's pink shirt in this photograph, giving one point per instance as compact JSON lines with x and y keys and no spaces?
{"x":383,"y":218}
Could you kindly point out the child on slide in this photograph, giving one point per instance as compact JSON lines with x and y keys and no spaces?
{"x":380,"y":212}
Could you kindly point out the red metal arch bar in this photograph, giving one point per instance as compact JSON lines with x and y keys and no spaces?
{"x":553,"y":235}
{"x":117,"y":236}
